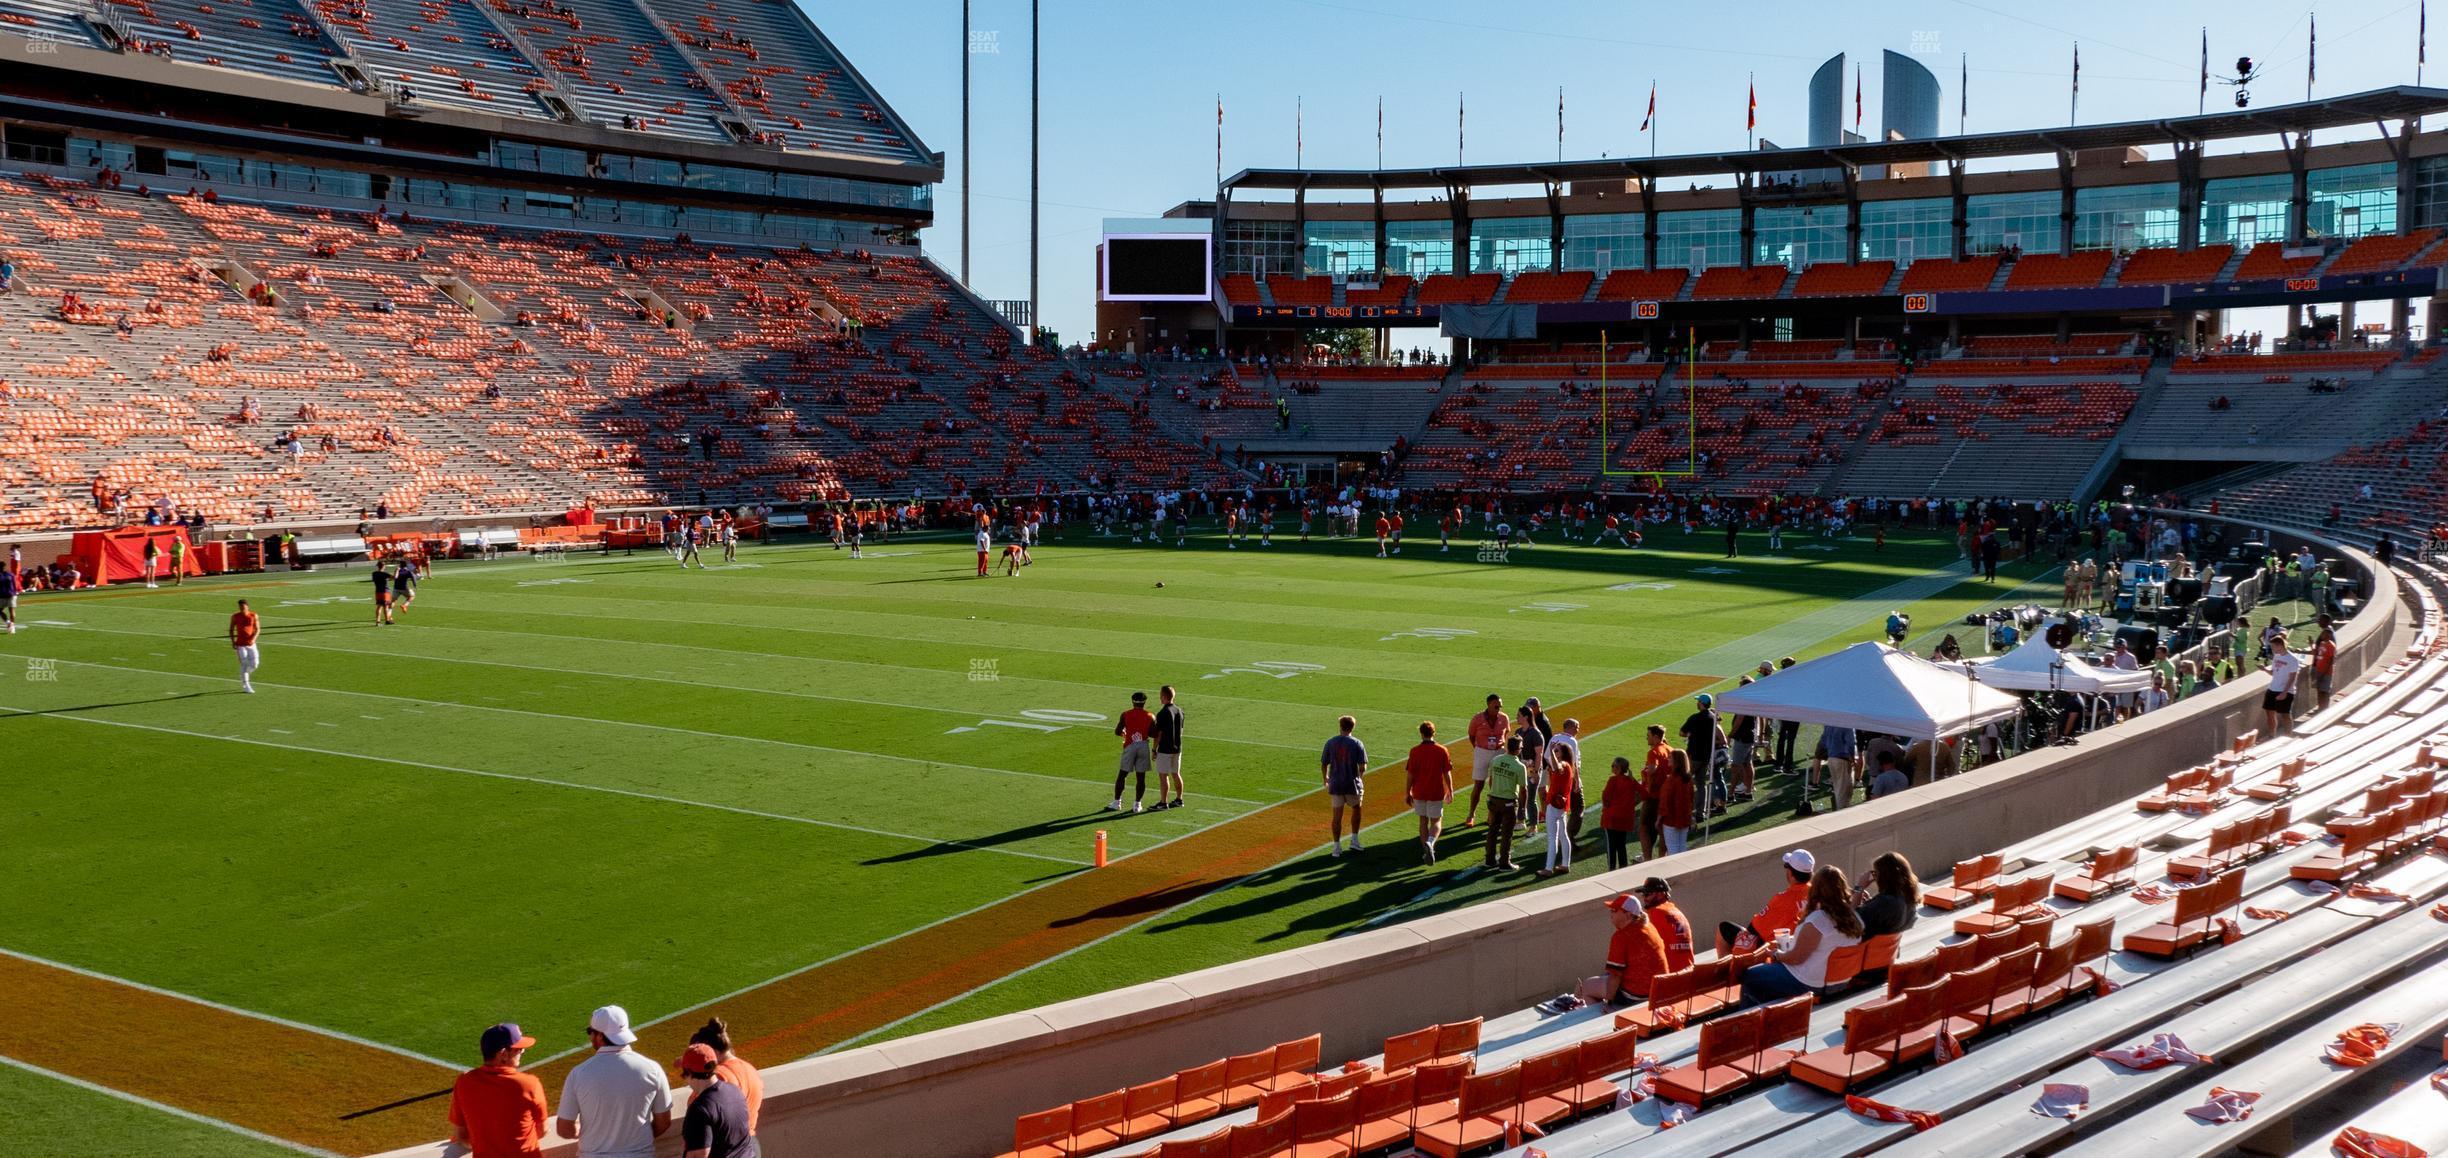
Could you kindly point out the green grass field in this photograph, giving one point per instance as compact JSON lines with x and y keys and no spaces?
{"x":556,"y":785}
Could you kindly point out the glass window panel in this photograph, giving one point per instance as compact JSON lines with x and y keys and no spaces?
{"x":2245,"y":211}
{"x":2027,"y":221}
{"x":2352,"y":201}
{"x":1601,"y":242}
{"x":1699,"y":238}
{"x":1340,"y":248}
{"x":1797,"y":235}
{"x":1419,"y":248}
{"x":1509,"y":245}
{"x":2125,"y":217}
{"x":1907,"y":231}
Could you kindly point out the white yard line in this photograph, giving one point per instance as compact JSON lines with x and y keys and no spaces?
{"x":173,"y":1111}
{"x":619,"y":723}
{"x":969,"y":712}
{"x":352,"y":1039}
{"x":929,"y":842}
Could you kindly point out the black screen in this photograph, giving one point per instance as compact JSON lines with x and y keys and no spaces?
{"x":1170,"y":267}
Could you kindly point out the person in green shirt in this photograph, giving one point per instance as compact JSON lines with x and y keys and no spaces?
{"x":1507,"y":779}
{"x":178,"y":561}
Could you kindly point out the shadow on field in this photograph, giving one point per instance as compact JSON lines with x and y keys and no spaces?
{"x":954,"y":574}
{"x":1008,"y":836}
{"x":1383,"y":880}
{"x":5,"y":716}
{"x":1141,"y":905}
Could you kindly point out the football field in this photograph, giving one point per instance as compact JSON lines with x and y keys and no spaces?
{"x":832,"y":800}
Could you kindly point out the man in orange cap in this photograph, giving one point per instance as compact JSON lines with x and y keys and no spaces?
{"x":716,"y":1123}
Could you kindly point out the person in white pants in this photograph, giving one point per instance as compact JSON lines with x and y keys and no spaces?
{"x":243,"y":628}
{"x":1563,"y":775}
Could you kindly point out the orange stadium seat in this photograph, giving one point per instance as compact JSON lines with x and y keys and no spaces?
{"x":1628,"y":285}
{"x":2077,"y":270}
{"x":1835,"y":279}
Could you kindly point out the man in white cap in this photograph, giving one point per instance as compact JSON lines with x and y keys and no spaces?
{"x":1782,"y":913}
{"x":616,"y":1102}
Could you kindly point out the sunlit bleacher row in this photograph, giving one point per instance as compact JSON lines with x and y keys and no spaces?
{"x":447,"y":369}
{"x":674,"y":68}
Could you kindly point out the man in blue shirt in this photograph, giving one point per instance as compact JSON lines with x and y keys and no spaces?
{"x":1342,"y":765}
{"x":1842,"y":749}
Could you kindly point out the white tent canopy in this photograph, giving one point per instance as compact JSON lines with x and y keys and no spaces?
{"x":2035,"y":667}
{"x":1872,"y":687}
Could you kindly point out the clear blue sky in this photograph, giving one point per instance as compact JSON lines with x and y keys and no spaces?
{"x":1129,"y":89}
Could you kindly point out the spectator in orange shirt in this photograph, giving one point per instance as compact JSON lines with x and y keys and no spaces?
{"x":1619,"y":812}
{"x":1488,"y":730}
{"x":1653,"y":776}
{"x":1779,"y":915}
{"x":243,"y":628}
{"x":1429,"y":784}
{"x":1385,"y":531}
{"x":716,"y":1035}
{"x":1636,"y":955}
{"x":496,"y":1109}
{"x":1667,"y":918}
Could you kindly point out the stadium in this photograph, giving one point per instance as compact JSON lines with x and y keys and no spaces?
{"x":556,"y":618}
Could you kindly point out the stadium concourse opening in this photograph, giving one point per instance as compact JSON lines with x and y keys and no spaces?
{"x":538,"y":597}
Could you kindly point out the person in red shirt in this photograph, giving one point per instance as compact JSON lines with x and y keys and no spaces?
{"x":1653,"y":776}
{"x":243,"y":628}
{"x":1619,"y":813}
{"x":1636,"y":955}
{"x":496,"y":1109}
{"x":1428,"y":775}
{"x":1674,"y":802}
{"x":1385,"y":529}
{"x":1673,"y":927}
{"x":2324,"y":661}
{"x":1560,"y":779}
{"x":1397,"y":536}
{"x":1135,"y":727}
{"x":1488,"y":730}
{"x":1782,"y":912}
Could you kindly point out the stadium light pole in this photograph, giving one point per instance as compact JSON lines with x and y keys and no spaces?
{"x":965,"y":142}
{"x":1036,"y":326}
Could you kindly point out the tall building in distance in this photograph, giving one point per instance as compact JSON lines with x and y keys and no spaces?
{"x":1908,"y":110}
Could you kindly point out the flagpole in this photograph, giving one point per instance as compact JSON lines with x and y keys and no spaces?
{"x":2311,"y":52}
{"x":2422,"y":36}
{"x":1653,"y":118}
{"x":1751,"y":116}
{"x":1963,"y":93}
{"x":1296,"y":132}
{"x":2074,"y":99}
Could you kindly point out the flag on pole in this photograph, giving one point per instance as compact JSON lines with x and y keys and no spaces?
{"x":2202,"y":103}
{"x":1751,"y":111}
{"x":1219,"y":138}
{"x":1296,"y":132}
{"x":1459,"y":110}
{"x":1651,"y":115}
{"x":2422,"y":38}
{"x":2311,"y":54}
{"x":1381,"y":132}
{"x":1963,"y":93}
{"x":1559,"y":122}
{"x":1857,"y":110}
{"x":2074,"y":99}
